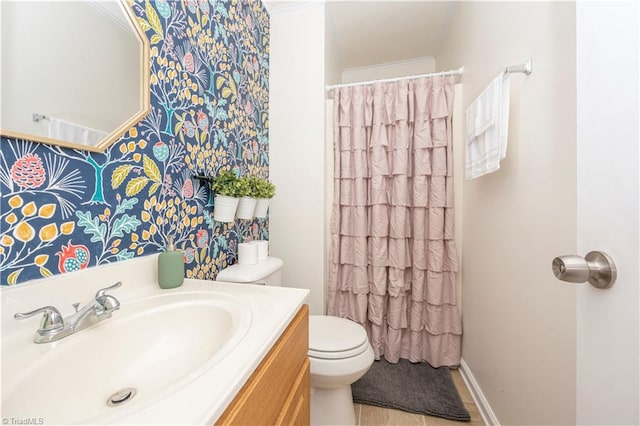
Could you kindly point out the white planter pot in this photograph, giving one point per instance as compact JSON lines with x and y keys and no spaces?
{"x":261,"y":207}
{"x":246,"y":206}
{"x":224,"y":208}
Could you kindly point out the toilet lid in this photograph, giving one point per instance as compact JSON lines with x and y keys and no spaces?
{"x":339,"y":355}
{"x":333,"y":338}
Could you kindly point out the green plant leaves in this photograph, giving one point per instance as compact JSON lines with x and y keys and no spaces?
{"x":227,"y":183}
{"x":261,"y":188}
{"x":224,"y":183}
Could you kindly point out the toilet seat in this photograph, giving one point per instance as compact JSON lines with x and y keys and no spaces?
{"x":335,"y":338}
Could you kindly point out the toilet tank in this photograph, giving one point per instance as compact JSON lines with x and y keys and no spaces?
{"x":268,"y":272}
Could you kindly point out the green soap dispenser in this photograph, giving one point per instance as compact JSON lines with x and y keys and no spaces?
{"x":170,"y":266}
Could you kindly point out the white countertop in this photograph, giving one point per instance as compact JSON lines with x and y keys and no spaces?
{"x":201,"y":400}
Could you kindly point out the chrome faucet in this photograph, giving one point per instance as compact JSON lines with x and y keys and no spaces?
{"x":53,"y":327}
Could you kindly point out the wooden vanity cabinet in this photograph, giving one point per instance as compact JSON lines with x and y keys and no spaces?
{"x":278,"y":391}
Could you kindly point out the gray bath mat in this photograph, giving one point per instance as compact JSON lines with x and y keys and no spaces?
{"x":416,"y":388}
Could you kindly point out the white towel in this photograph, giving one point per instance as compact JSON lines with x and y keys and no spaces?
{"x":72,"y":132}
{"x":487,"y":128}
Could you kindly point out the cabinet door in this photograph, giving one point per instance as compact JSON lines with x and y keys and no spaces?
{"x":268,"y":394}
{"x":297,"y":408}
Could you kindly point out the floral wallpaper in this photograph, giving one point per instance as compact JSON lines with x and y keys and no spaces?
{"x":63,"y":210}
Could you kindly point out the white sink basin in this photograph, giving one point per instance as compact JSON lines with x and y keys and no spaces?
{"x":155,"y":345}
{"x":186,"y":351}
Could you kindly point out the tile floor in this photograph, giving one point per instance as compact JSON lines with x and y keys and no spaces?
{"x":368,"y":415}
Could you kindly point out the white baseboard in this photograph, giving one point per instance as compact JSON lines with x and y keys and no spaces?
{"x":488,"y":416}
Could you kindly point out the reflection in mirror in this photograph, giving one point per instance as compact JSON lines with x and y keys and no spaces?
{"x":72,"y":72}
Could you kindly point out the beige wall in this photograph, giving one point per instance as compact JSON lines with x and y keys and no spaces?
{"x":332,"y":59}
{"x":415,"y":66}
{"x":296,"y":146}
{"x":519,"y":321}
{"x":333,"y":75}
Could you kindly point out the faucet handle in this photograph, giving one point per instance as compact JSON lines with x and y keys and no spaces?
{"x":106,"y":301}
{"x":103,"y":291}
{"x":51,"y":320}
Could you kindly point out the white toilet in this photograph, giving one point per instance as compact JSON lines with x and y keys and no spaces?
{"x":339,"y":350}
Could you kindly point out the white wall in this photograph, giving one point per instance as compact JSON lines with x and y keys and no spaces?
{"x":608,"y":320}
{"x":519,"y":321}
{"x":48,"y":69}
{"x":296,"y":146}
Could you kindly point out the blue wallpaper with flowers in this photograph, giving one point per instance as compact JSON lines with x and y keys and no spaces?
{"x":63,"y":210}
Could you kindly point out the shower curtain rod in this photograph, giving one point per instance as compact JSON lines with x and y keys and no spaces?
{"x":525,"y":68}
{"x":389,"y":80}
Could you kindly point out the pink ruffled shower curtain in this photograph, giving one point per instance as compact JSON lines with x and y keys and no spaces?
{"x":393,"y":258}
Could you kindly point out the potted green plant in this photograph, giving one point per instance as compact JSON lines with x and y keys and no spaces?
{"x":247,"y":203}
{"x":263,"y":191}
{"x":227,"y":189}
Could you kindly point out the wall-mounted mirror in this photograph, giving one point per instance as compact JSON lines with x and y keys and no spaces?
{"x":74,"y":73}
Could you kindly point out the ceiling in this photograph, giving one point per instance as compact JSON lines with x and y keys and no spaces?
{"x":367,"y":32}
{"x":114,"y":11}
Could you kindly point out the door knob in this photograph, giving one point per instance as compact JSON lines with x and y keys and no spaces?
{"x":596,"y":267}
